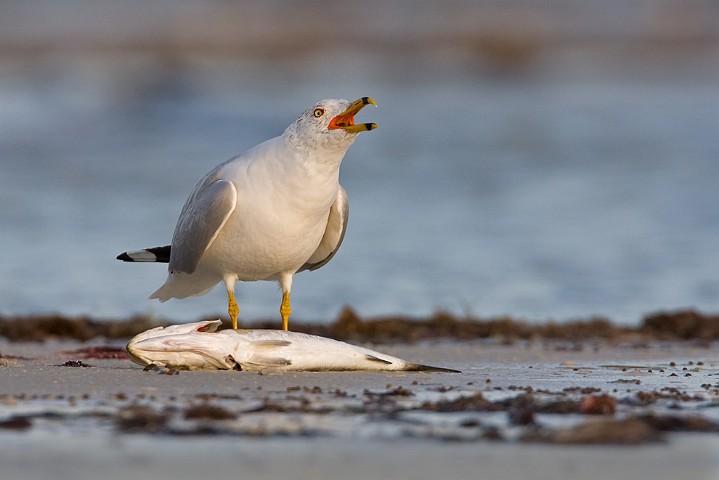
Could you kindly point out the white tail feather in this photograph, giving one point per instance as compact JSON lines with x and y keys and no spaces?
{"x":142,"y":256}
{"x":182,"y":285}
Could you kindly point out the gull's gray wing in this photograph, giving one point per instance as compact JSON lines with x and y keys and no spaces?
{"x":334,"y":233}
{"x":203,"y":216}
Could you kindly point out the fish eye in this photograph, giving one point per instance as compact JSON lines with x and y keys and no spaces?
{"x":319,"y":112}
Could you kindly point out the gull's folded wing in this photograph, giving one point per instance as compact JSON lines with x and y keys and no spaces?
{"x":203,"y":216}
{"x":334,"y":233}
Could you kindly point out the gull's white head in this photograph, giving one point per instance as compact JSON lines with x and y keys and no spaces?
{"x":329,"y":124}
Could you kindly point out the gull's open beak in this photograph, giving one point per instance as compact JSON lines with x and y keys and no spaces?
{"x":346,"y":119}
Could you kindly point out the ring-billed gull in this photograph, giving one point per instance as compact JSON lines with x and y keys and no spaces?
{"x":273,"y":211}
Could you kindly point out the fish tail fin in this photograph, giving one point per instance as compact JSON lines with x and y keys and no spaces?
{"x":417,"y":367}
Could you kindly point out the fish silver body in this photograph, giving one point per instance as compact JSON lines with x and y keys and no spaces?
{"x":199,"y":346}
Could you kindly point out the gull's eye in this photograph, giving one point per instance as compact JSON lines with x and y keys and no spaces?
{"x":319,"y":112}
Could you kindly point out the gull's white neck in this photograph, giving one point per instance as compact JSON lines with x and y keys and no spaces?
{"x":316,"y":158}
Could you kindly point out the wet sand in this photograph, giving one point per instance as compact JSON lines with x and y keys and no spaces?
{"x":532,"y":409}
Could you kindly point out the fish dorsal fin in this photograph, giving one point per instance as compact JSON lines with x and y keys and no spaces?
{"x":269,"y":353}
{"x":372,"y":358}
{"x":208,"y":326}
{"x":270,"y":344}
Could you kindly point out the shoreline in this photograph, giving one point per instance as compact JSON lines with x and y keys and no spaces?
{"x":677,"y":325}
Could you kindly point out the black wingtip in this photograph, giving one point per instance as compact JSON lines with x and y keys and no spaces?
{"x":124,"y":257}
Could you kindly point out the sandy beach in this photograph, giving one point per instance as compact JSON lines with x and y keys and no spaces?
{"x":553,"y":410}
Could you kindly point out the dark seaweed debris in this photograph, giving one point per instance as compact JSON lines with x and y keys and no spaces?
{"x":139,"y":418}
{"x":18,"y":423}
{"x":101,"y":352}
{"x":683,"y":325}
{"x":209,"y":412}
{"x":38,"y":328}
{"x":629,"y":431}
{"x":679,"y":325}
{"x":75,"y":363}
{"x":462,"y":418}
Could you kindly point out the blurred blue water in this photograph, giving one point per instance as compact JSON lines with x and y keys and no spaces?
{"x":535,"y":198}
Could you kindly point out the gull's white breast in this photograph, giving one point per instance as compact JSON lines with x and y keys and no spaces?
{"x":280,"y":215}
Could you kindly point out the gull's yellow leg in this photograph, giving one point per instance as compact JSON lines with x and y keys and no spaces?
{"x":232,"y":308}
{"x":285,"y":310}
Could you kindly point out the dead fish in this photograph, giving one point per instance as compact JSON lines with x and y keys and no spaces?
{"x":199,"y":346}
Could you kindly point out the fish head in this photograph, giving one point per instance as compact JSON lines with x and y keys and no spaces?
{"x":190,"y":346}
